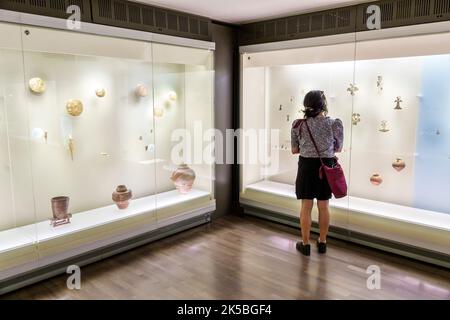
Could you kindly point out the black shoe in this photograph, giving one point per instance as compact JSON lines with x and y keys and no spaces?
{"x":305,"y":249}
{"x":321,"y":246}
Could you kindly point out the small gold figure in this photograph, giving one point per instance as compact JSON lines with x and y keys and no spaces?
{"x":383,"y":126}
{"x":397,"y":103}
{"x":71,"y":147}
{"x":356,"y":117}
{"x":352,"y":89}
{"x":380,"y":83}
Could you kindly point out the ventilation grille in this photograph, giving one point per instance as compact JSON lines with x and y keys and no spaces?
{"x":132,"y":15}
{"x":396,"y":13}
{"x":52,"y":8}
{"x":302,"y":26}
{"x":422,"y":8}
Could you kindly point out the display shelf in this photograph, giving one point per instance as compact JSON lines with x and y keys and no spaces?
{"x":27,"y":235}
{"x":16,"y":238}
{"x":417,"y":216}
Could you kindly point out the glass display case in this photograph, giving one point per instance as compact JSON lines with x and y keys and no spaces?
{"x":87,"y":141}
{"x":390,"y":93}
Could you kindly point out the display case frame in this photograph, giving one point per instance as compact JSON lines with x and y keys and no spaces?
{"x":402,"y":230}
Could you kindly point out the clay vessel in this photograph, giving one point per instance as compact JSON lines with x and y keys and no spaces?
{"x":60,"y":207}
{"x":183,"y":178}
{"x":376,"y":179}
{"x":122,"y":197}
{"x":398,"y":164}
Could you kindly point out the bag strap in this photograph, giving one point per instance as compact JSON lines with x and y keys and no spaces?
{"x":298,"y":123}
{"x":313,"y":141}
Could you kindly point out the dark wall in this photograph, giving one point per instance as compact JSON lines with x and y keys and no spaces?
{"x":225,"y":38}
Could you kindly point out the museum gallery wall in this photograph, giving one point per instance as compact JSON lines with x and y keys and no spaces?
{"x":392,"y":96}
{"x":86,"y":142}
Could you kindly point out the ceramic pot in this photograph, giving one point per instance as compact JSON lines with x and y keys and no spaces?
{"x":37,"y":85}
{"x":141,"y":90}
{"x":398,"y":164}
{"x":100,"y":93}
{"x":60,"y":207}
{"x":376,"y":179}
{"x":122,"y":197}
{"x":74,"y":107}
{"x":183,"y":178}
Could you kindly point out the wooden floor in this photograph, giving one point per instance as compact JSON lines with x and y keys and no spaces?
{"x":246,"y":258}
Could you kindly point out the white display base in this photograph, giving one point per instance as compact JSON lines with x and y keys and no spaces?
{"x":435,"y":220}
{"x":28,"y":235}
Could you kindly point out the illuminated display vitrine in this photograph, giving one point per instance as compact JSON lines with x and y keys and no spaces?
{"x":86,"y":141}
{"x":391,"y":95}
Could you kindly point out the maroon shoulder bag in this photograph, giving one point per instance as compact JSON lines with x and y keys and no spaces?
{"x":335,"y":175}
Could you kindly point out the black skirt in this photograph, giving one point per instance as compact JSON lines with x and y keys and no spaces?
{"x":308,"y":184}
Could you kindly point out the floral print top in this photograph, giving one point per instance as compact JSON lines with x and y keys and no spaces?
{"x":327,"y":132}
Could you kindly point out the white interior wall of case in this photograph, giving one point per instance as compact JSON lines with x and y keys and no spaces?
{"x":199,"y":96}
{"x":253,"y":120}
{"x":16,"y":190}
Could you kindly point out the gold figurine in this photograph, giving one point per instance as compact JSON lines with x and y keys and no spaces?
{"x":380,"y":83}
{"x":397,"y":103}
{"x":352,"y":89}
{"x":356,"y":117}
{"x":383,"y":126}
{"x":71,"y":147}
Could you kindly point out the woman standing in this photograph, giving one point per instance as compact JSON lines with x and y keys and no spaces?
{"x":328,"y":135}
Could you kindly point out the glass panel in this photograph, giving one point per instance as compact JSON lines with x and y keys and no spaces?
{"x":401,"y":148}
{"x":17,"y":215}
{"x":183,"y":109}
{"x":93,"y":135}
{"x":274,"y":86}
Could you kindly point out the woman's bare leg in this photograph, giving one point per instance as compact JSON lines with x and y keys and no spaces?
{"x":305,"y":219}
{"x":324,"y":219}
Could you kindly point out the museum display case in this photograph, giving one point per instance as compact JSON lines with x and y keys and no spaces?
{"x":87,"y":128}
{"x":391,"y":94}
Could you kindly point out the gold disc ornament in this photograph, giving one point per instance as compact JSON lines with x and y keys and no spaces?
{"x":100,"y":93}
{"x":37,"y":85}
{"x":74,"y":107}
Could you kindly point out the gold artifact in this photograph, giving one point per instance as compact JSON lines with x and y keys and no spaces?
{"x":74,"y":107}
{"x":100,"y":93}
{"x":71,"y":147}
{"x":352,"y":89}
{"x":37,"y":85}
{"x":397,"y":103}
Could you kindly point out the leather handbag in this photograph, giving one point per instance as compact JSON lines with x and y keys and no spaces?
{"x":335,"y":175}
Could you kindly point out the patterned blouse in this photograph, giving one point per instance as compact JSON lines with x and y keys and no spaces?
{"x":327,"y":132}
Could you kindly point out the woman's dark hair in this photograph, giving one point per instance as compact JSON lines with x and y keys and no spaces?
{"x":315,"y":103}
